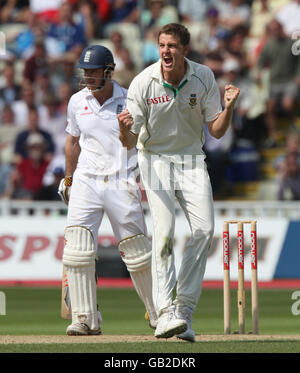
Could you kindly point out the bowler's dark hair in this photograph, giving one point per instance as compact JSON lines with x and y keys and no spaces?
{"x":177,"y":30}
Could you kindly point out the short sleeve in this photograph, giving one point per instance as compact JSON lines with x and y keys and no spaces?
{"x":212,"y":104}
{"x":72,"y":126}
{"x":136,"y":106}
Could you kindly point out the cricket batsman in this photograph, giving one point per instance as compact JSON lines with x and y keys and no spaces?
{"x":100,"y":179}
{"x":168,"y":104}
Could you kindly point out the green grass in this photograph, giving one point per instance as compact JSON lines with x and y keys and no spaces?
{"x":158,"y":347}
{"x":36,"y":311}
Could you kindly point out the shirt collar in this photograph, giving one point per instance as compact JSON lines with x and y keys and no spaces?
{"x":156,"y":72}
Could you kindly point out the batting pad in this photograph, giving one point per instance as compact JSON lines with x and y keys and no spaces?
{"x":136,"y":254}
{"x":79,"y":248}
{"x":79,"y":260}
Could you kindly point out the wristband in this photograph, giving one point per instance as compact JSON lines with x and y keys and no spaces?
{"x":68,"y":181}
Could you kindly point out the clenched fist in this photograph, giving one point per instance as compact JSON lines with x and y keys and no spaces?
{"x":125,"y":122}
{"x":230,"y":96}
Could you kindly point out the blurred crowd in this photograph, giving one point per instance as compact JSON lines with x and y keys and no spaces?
{"x":252,"y":44}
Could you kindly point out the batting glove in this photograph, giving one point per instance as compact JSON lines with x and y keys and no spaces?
{"x":64,"y":189}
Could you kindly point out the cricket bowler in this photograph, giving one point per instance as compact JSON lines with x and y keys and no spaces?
{"x":168,"y":104}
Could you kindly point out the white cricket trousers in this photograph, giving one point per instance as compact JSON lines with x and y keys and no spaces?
{"x":119,"y":198}
{"x":189,"y":183}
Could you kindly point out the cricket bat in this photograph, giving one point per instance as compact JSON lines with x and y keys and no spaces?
{"x":66,"y":310}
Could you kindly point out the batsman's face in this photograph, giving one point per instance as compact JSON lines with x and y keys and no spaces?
{"x":92,"y":77}
{"x":171,"y":53}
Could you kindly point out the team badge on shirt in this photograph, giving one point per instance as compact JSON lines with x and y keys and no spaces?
{"x":193,"y":100}
{"x":119,"y":109}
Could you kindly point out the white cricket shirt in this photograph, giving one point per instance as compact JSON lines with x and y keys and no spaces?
{"x":170,"y":121}
{"x":102,"y":152}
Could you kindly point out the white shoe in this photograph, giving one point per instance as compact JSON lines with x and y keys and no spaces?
{"x":168,"y":324}
{"x":186,"y":314}
{"x":80,"y":328}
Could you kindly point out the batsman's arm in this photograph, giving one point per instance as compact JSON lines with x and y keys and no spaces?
{"x":72,"y":151}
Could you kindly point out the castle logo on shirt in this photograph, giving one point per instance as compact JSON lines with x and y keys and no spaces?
{"x":193,"y":100}
{"x":157,"y":100}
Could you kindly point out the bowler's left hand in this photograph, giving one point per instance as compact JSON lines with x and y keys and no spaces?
{"x":230,"y":96}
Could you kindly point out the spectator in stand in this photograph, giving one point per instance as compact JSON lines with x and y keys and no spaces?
{"x":58,"y":162}
{"x":261,"y":16}
{"x":292,"y":146}
{"x":150,"y":52}
{"x":248,"y":119}
{"x":223,"y":38}
{"x":22,"y":43}
{"x":121,"y":11}
{"x":104,"y":9}
{"x":13,"y":11}
{"x":236,"y":47}
{"x":194,"y":10}
{"x":85,"y":15}
{"x":234,"y":13}
{"x":36,"y":62}
{"x":214,"y":61}
{"x":289,"y":17}
{"x":232,"y":75}
{"x":21,"y":107}
{"x":289,"y":179}
{"x":284,"y":83}
{"x":125,"y":75}
{"x":65,"y":39}
{"x":53,"y":122}
{"x":47,"y":10}
{"x":7,"y":116}
{"x":101,"y":15}
{"x":49,"y":192}
{"x":255,"y":51}
{"x":26,"y":179}
{"x":11,"y":91}
{"x":210,"y":31}
{"x":217,"y":153}
{"x":42,"y":87}
{"x":21,"y":149}
{"x":64,"y":93}
{"x":118,"y":47}
{"x":5,"y":172}
{"x":124,"y":11}
{"x":193,"y":54}
{"x":154,"y":15}
{"x":8,"y":134}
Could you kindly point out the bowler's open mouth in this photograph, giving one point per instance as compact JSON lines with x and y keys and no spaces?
{"x":168,"y":61}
